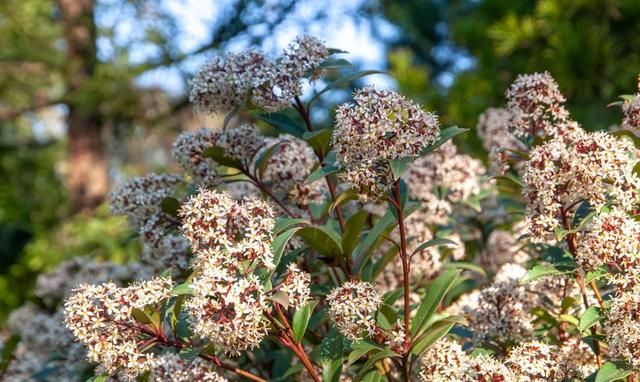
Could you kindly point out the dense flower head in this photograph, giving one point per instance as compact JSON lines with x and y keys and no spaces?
{"x":631,"y":112}
{"x":189,"y":151}
{"x":172,"y":368}
{"x":610,"y":238}
{"x":296,"y":285}
{"x":504,"y":247}
{"x":228,"y":310}
{"x":101,"y":318}
{"x":163,"y":245}
{"x":535,"y":361}
{"x":303,"y":55}
{"x":138,"y":198}
{"x":242,"y":142}
{"x":237,"y":79}
{"x":441,"y":178}
{"x":53,"y":286}
{"x":502,"y":313}
{"x":494,"y":131}
{"x":352,"y":308}
{"x":443,"y":362}
{"x":287,"y":169}
{"x":622,"y":327}
{"x":227,"y":231}
{"x":380,"y":126}
{"x":593,"y":167}
{"x":536,"y":105}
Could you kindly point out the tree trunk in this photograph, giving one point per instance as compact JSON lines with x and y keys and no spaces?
{"x":88,"y":180}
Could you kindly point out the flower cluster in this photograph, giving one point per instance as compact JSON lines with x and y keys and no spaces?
{"x":287,"y":169}
{"x":172,"y":368}
{"x":536,"y":105}
{"x":352,"y":308}
{"x":494,"y":130}
{"x":229,"y":82}
{"x":593,"y":167}
{"x":296,"y":285}
{"x":631,"y":111}
{"x":442,"y":178}
{"x":623,"y":327}
{"x":102,"y":318}
{"x":610,"y":238}
{"x":380,"y":126}
{"x":189,"y":151}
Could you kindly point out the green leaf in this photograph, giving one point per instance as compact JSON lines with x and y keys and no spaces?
{"x":283,"y":223}
{"x":263,"y":159}
{"x":352,"y":229}
{"x":346,"y":196}
{"x":445,"y":135}
{"x":386,"y":316}
{"x":325,"y":240}
{"x":612,"y":371}
{"x":399,"y":166}
{"x":280,"y":242}
{"x":320,"y":173}
{"x":560,"y":232}
{"x":334,"y":63}
{"x":467,"y":266}
{"x":541,"y":271}
{"x":219,"y":155}
{"x":8,"y":348}
{"x":170,"y":206}
{"x":359,"y":349}
{"x":301,"y":320}
{"x":436,"y":331}
{"x":141,"y":316}
{"x":190,"y":354}
{"x":180,"y":289}
{"x":374,"y":357}
{"x":590,"y":317}
{"x":345,"y":79}
{"x":435,"y":293}
{"x":434,"y":242}
{"x":283,"y":123}
{"x":392,"y":296}
{"x":319,"y":139}
{"x":97,"y":378}
{"x":595,"y":275}
{"x":331,"y":356}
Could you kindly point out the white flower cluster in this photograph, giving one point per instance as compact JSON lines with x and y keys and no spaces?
{"x":494,"y":130}
{"x":622,"y":327}
{"x":232,"y":81}
{"x":242,"y":143}
{"x":172,"y":368}
{"x":230,"y":240}
{"x":594,"y":167}
{"x":44,"y":343}
{"x":380,"y":126}
{"x":101,"y":318}
{"x":139,"y":198}
{"x":610,"y":238}
{"x":288,"y":168}
{"x":536,"y":105}
{"x":296,"y":285}
{"x":352,"y":309}
{"x":631,"y":112}
{"x":56,"y":285}
{"x":189,"y":151}
{"x":504,"y":247}
{"x":442,"y":178}
{"x":533,"y":361}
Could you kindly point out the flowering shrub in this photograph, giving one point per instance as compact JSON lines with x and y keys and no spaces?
{"x":372,"y":250}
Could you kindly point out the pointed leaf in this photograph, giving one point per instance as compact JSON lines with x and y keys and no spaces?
{"x":435,"y":293}
{"x":320,"y":173}
{"x":301,"y":320}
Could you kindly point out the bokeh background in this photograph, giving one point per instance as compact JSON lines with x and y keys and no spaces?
{"x":93,"y":91}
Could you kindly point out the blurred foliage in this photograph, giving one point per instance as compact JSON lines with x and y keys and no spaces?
{"x":589,"y":46}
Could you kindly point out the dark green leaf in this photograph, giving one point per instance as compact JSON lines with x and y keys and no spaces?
{"x":436,"y":331}
{"x":219,"y":155}
{"x":301,"y":320}
{"x":184,"y":288}
{"x":590,"y":317}
{"x":352,"y":229}
{"x":321,"y":172}
{"x":541,"y":271}
{"x":399,"y":166}
{"x":170,"y":206}
{"x":445,"y":135}
{"x":610,"y":372}
{"x":359,"y":349}
{"x":434,"y":242}
{"x":325,"y":240}
{"x":319,"y":139}
{"x":284,"y":223}
{"x":280,"y":242}
{"x":283,"y":123}
{"x":435,"y":293}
